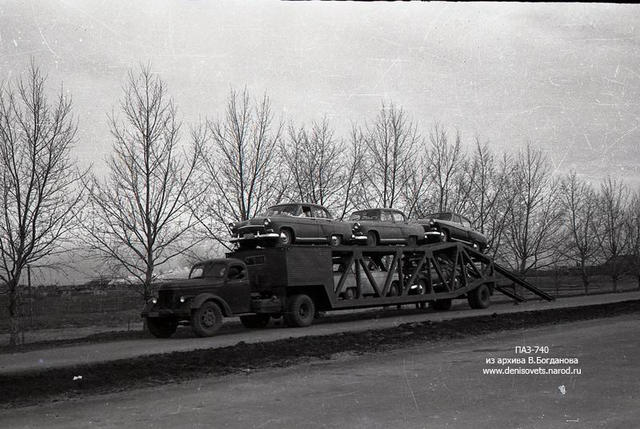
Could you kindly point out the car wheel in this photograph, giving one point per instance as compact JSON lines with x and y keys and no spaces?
{"x":335,"y":240}
{"x":255,"y":320}
{"x":372,"y":238}
{"x":350,"y":293}
{"x":442,"y":304}
{"x":162,"y":327}
{"x":394,"y":289}
{"x":480,"y":297}
{"x":286,"y":237}
{"x":300,"y":311}
{"x":207,"y":319}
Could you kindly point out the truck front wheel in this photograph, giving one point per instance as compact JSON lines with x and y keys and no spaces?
{"x":162,"y":327}
{"x":300,"y":311}
{"x":255,"y":320}
{"x":206,"y":320}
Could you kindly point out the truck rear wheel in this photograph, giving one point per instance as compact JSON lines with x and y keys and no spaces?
{"x":255,"y":320}
{"x":300,"y":311}
{"x":442,"y":304}
{"x":206,"y":320}
{"x":162,"y":327}
{"x":480,"y":297}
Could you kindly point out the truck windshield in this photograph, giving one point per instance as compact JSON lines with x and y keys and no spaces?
{"x":212,"y":270}
{"x":284,"y":210}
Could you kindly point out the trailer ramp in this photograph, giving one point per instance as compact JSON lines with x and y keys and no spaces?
{"x":509,"y":275}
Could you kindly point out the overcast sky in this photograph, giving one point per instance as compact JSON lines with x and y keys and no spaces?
{"x":565,"y":77}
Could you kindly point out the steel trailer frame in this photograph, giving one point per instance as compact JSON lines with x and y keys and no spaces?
{"x":421,"y":274}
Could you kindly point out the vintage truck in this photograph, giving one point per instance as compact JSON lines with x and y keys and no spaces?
{"x":297,"y":282}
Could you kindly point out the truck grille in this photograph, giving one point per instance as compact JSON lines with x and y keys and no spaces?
{"x":165,"y":299}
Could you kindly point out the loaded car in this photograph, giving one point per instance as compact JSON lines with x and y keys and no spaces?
{"x":449,"y":226}
{"x":291,"y":223}
{"x":385,"y":226}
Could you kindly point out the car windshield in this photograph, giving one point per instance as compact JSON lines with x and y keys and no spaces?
{"x":365,"y":215}
{"x":212,"y":270}
{"x":284,"y":210}
{"x":441,"y":216}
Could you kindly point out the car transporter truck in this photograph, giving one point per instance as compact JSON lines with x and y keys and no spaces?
{"x":298,"y":282}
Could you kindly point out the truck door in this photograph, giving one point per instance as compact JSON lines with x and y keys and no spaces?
{"x":236,"y":290}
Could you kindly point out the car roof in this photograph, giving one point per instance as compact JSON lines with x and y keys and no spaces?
{"x":380,"y":209}
{"x":298,"y":204}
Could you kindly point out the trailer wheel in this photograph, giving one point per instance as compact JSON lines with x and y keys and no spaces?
{"x":300,"y":311}
{"x":162,"y":327}
{"x":206,"y":320}
{"x":255,"y":321}
{"x":480,"y":297}
{"x":442,"y":304}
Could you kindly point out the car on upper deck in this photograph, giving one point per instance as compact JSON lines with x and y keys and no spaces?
{"x":385,"y":226}
{"x":449,"y":226}
{"x":292,"y":223}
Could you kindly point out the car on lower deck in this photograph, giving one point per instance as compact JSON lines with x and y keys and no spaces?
{"x":385,"y":226}
{"x":292,"y":223}
{"x":449,"y":226}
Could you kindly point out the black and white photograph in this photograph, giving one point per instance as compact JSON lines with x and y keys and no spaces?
{"x":309,"y":214}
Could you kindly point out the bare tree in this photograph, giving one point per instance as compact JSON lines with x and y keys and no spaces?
{"x":38,"y":181}
{"x":353,"y":177}
{"x":491,"y":204}
{"x":241,"y":165}
{"x":579,"y":203}
{"x":317,"y":165}
{"x":445,"y":165}
{"x":139,"y":217}
{"x":535,"y":217}
{"x":613,"y":203}
{"x":633,"y":234}
{"x":391,"y":142}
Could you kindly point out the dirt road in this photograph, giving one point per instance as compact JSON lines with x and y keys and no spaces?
{"x":436,"y":386}
{"x":92,"y":353}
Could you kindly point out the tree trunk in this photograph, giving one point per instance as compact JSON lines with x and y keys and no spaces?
{"x":14,"y":322}
{"x":585,"y":279}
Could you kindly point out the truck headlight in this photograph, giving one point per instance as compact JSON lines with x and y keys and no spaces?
{"x":356,"y":226}
{"x":231,"y":225}
{"x":153,"y":301}
{"x":182,"y":299}
{"x":267,"y":222}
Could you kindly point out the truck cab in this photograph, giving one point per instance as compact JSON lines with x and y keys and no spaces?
{"x":215,"y":288}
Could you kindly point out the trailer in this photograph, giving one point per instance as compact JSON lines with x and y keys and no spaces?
{"x":298,"y":282}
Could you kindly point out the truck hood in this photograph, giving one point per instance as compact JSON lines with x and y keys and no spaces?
{"x":190,"y":284}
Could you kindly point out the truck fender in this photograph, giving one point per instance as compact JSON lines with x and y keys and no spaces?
{"x":203,"y":297}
